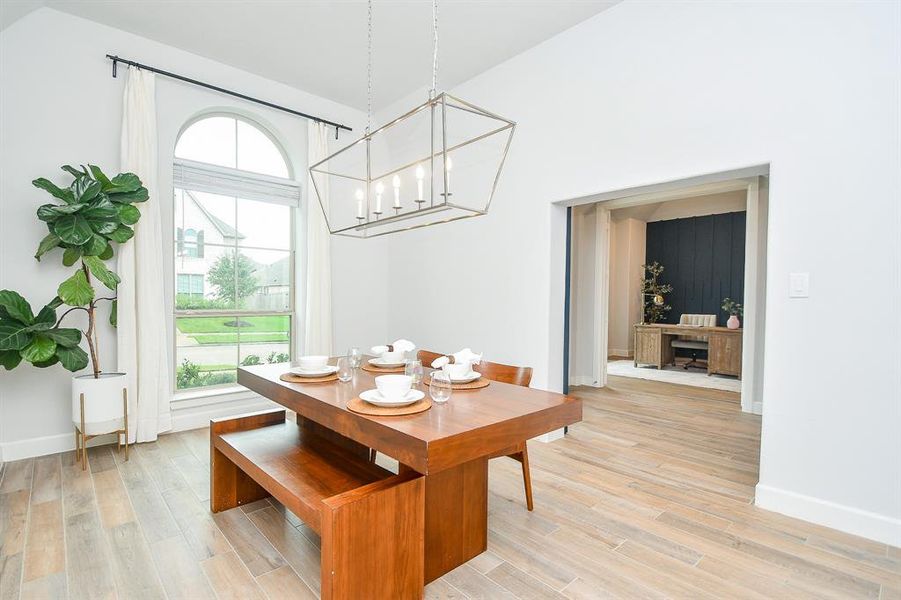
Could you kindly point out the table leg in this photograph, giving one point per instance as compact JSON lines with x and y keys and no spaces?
{"x":456,"y":517}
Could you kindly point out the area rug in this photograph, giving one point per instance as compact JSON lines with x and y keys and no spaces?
{"x":670,"y":374}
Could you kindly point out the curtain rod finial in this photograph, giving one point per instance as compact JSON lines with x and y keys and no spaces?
{"x":115,"y":63}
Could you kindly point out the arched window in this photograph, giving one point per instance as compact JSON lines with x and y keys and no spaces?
{"x":234,"y":250}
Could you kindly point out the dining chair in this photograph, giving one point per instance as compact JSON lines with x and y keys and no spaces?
{"x":505,"y":374}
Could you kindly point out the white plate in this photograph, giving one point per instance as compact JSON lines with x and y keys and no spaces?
{"x":473,"y":376}
{"x":377,"y":362}
{"x":318,"y":372}
{"x":374,"y":397}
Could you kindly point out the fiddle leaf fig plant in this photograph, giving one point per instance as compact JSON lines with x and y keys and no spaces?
{"x":86,"y":219}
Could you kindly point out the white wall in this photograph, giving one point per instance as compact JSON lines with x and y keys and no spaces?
{"x":638,"y":95}
{"x":627,"y":252}
{"x":59,"y":105}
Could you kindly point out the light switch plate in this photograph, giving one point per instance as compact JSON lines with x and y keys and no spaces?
{"x":798,"y":285}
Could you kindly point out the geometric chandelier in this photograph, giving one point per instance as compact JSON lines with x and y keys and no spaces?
{"x":439,"y":162}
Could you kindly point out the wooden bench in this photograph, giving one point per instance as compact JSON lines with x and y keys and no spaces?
{"x":371,"y":521}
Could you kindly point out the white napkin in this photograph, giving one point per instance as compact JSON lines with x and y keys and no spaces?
{"x":467,"y":356}
{"x":400,"y":345}
{"x":439,"y":362}
{"x":403,"y":345}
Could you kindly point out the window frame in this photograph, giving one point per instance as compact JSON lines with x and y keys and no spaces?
{"x":294,"y":210}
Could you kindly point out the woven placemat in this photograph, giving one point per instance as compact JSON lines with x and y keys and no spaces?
{"x":359,"y":405}
{"x":292,"y":378}
{"x":374,"y":369}
{"x":481,"y":382}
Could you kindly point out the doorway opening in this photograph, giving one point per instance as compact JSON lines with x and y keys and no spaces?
{"x":654,"y":274}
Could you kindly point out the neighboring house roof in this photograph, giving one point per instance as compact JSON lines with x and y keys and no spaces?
{"x":224,"y":228}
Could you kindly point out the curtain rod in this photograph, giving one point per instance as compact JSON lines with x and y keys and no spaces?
{"x":209,"y":86}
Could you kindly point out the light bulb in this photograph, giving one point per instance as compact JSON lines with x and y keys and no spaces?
{"x":420,"y":175}
{"x":359,"y":194}
{"x":396,"y":183}
{"x":379,"y":189}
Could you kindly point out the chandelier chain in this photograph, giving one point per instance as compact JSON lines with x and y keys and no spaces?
{"x":434,"y":47}
{"x":369,"y":70}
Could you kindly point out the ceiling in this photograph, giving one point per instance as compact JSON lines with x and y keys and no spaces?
{"x":320,"y":46}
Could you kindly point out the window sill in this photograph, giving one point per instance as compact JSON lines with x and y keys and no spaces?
{"x":201,"y":397}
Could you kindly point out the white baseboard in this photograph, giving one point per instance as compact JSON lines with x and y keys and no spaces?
{"x":583,"y":380}
{"x":620,"y":352}
{"x":852,"y":520}
{"x":184,"y":415}
{"x":757,"y":408}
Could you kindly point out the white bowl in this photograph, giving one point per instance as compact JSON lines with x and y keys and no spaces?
{"x":313,"y":362}
{"x":393,"y":387}
{"x":392,"y":357}
{"x":458,"y":371}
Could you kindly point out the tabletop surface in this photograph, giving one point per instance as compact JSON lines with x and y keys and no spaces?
{"x":467,"y":409}
{"x":472,"y":422}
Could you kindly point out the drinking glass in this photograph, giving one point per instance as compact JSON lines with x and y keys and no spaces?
{"x":440,"y":387}
{"x":413,"y":368}
{"x":345,"y":371}
{"x":355,"y":356}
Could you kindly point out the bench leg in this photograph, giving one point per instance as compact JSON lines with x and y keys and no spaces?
{"x":229,"y":485}
{"x":372,"y":541}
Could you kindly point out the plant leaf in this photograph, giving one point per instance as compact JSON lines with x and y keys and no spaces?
{"x":114,"y":313}
{"x":10,"y":359}
{"x":100,"y":176}
{"x":139,"y":195}
{"x":76,"y":291}
{"x":51,"y":212}
{"x":46,"y":315}
{"x":73,"y":171}
{"x":55,"y":303}
{"x":85,"y":189}
{"x":101,"y":209}
{"x":16,"y":307}
{"x":105,"y":227}
{"x":50,"y":241}
{"x":122,"y":234}
{"x":40,"y":349}
{"x":98,"y":268}
{"x":13,"y":336}
{"x":39,"y":327}
{"x":72,"y":358}
{"x":129,"y":214}
{"x":43,"y":364}
{"x":73,"y":229}
{"x":64,"y":337}
{"x":124,"y":182}
{"x":107,"y":253}
{"x":54,"y":190}
{"x":71,"y":256}
{"x":95,"y":246}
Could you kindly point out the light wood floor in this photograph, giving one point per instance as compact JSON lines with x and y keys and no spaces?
{"x":649,"y":497}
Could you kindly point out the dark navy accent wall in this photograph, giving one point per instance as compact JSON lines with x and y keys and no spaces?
{"x":704,"y":259}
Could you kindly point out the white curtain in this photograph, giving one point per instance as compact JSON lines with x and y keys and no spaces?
{"x":142,"y":326}
{"x":318,"y":318}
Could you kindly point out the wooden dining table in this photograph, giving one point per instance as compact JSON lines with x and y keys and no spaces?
{"x":447,"y":446}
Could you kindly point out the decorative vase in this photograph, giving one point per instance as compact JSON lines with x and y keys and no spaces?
{"x":733,"y":322}
{"x":99,"y":406}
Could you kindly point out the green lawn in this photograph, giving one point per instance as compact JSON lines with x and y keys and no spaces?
{"x":246,"y":338}
{"x":265,"y":324}
{"x":212,"y":368}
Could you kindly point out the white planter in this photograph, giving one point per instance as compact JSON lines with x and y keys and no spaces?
{"x":104,"y":410}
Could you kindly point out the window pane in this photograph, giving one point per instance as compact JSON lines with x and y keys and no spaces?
{"x":264,"y":225}
{"x":206,"y":350}
{"x":212,"y":140}
{"x":258,"y":153}
{"x":264,"y":281}
{"x":264,"y":339}
{"x":207,"y":282}
{"x":202,"y":218}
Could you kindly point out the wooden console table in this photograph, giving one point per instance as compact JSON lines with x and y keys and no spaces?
{"x":383,"y":535}
{"x":652,"y":346}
